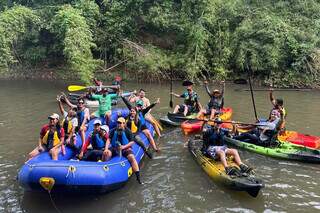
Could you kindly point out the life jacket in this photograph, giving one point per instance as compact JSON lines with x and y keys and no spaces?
{"x":51,"y":139}
{"x":96,"y":141}
{"x":124,"y":140}
{"x":80,"y":116}
{"x":131,"y":125}
{"x":142,"y":120}
{"x":215,"y":102}
{"x":67,"y":126}
{"x":190,"y":100}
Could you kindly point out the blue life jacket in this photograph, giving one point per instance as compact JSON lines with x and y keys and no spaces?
{"x":142,"y":120}
{"x":80,"y":116}
{"x":123,"y":140}
{"x":97,"y":142}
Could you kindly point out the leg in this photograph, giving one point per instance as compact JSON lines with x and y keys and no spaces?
{"x":185,"y":111}
{"x":138,"y":140}
{"x":33,"y":153}
{"x":82,"y":134}
{"x":107,"y":117}
{"x":235,"y":154}
{"x":151,"y":120}
{"x":222,"y":158}
{"x":107,"y":154}
{"x":135,"y":166}
{"x":176,"y":109}
{"x":212,"y":114}
{"x":54,"y":152}
{"x":151,"y":140}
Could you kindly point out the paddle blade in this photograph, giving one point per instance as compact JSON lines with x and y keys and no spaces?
{"x":73,"y":88}
{"x":171,"y":104}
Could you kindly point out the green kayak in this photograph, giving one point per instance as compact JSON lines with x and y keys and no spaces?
{"x":286,"y":151}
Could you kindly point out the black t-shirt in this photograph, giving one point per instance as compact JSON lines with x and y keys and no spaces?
{"x":127,"y":132}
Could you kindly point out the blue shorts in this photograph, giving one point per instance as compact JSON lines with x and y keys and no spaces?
{"x":212,"y":151}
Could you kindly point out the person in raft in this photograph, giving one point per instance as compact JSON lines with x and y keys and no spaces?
{"x":51,"y":139}
{"x":191,"y":100}
{"x":83,"y":116}
{"x":216,"y":102}
{"x":146,"y":102}
{"x":69,"y":123}
{"x":99,"y":140}
{"x":136,"y":121}
{"x":278,"y":105}
{"x":121,"y":144}
{"x":105,"y":104}
{"x":214,"y":147}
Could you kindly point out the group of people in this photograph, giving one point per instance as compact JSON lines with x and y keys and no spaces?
{"x":262,"y":133}
{"x":104,"y":143}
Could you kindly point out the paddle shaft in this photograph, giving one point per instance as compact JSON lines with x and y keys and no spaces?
{"x":251,"y":91}
{"x":171,"y":102}
{"x":228,"y":122}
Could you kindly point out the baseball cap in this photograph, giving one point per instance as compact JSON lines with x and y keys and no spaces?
{"x":139,"y":103}
{"x":97,"y":122}
{"x":54,"y":116}
{"x":121,"y":119}
{"x":105,"y":128}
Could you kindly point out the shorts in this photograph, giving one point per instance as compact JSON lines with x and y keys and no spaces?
{"x":125,"y":152}
{"x":98,"y":115}
{"x":143,"y":127}
{"x":212,"y":151}
{"x":208,"y":111}
{"x":183,"y":106}
{"x":93,"y":155}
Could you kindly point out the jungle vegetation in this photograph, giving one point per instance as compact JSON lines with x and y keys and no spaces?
{"x":195,"y":39}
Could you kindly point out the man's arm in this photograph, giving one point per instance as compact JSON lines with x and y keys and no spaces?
{"x":127,"y":103}
{"x":60,"y":106}
{"x":223,"y":88}
{"x":272,"y":99}
{"x":69,"y":103}
{"x":207,"y":88}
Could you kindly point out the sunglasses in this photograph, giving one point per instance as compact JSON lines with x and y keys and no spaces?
{"x":80,"y":103}
{"x":120,"y":122}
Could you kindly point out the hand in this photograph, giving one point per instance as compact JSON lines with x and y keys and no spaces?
{"x":82,"y":128}
{"x":68,"y":141}
{"x":158,"y":101}
{"x":58,"y":98}
{"x":205,"y":82}
{"x":41,"y":149}
{"x":80,"y":156}
{"x":271,"y":89}
{"x":223,"y":82}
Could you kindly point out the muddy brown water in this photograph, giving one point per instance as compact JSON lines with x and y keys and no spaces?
{"x":174,"y":182}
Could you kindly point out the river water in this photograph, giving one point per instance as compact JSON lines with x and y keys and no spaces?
{"x":174,"y":182}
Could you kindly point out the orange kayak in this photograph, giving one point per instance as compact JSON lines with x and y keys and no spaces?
{"x":194,"y":126}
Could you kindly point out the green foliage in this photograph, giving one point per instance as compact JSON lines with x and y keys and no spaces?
{"x":74,"y":33}
{"x":194,"y":38}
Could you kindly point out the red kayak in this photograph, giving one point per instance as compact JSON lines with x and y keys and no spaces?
{"x":194,"y":126}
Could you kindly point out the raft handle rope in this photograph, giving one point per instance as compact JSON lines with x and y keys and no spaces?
{"x":71,"y":169}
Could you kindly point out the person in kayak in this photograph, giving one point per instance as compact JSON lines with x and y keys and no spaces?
{"x":136,"y":120}
{"x":83,"y":116}
{"x":121,"y":142}
{"x":214,"y":147}
{"x":51,"y":139}
{"x":216,"y":102}
{"x":99,"y":140}
{"x":261,"y":135}
{"x":69,"y":123}
{"x":105,"y":104}
{"x":146,"y":102}
{"x":278,"y":105}
{"x":191,"y":101}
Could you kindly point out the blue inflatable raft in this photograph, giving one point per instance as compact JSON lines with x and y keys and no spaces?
{"x":67,"y":175}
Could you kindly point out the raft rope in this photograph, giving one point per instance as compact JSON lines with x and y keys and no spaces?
{"x":53,"y":203}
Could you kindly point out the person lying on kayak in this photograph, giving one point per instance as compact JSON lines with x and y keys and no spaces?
{"x":51,"y":139}
{"x":146,"y":102}
{"x":105,"y":104}
{"x":263,"y":135}
{"x":121,"y":142}
{"x":214,"y":147}
{"x":69,"y":123}
{"x":99,"y":140}
{"x":83,"y":116}
{"x":278,"y":105}
{"x":216,"y":102}
{"x":191,"y":101}
{"x":136,"y":120}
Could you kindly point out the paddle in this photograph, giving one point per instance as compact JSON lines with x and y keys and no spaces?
{"x":215,"y":121}
{"x":249,"y":77}
{"x":73,"y":88}
{"x":171,"y":102}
